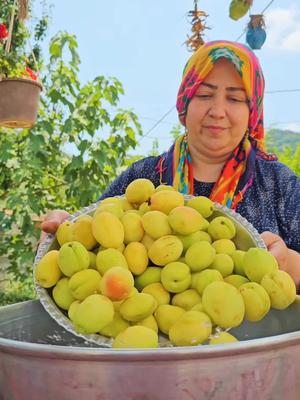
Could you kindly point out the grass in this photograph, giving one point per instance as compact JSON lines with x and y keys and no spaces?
{"x":17,"y":292}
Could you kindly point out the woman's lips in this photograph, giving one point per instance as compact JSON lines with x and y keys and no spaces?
{"x":215,"y":129}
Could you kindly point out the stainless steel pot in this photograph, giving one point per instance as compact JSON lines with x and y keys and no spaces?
{"x":40,"y":360}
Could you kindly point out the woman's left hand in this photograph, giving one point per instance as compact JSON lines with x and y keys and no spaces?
{"x":288,"y":259}
{"x":277,"y":247}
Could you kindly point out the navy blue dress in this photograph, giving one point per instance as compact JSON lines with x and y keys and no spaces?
{"x":272,"y":203}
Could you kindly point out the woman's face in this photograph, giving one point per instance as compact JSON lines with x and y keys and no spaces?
{"x":217,"y":116}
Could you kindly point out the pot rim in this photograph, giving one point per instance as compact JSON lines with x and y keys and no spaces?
{"x":261,"y":345}
{"x":25,"y":80}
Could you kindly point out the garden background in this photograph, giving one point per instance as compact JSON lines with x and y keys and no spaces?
{"x":89,"y":129}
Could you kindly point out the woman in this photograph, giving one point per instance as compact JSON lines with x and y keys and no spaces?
{"x":221,"y":155}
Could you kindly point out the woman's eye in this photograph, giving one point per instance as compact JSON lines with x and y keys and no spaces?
{"x":237,"y":100}
{"x":203,"y":96}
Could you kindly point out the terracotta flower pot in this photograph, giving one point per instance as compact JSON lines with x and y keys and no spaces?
{"x":19,"y":101}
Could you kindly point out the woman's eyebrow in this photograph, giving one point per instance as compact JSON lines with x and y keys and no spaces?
{"x":230,"y":88}
{"x":236,"y":89}
{"x":209,"y":85}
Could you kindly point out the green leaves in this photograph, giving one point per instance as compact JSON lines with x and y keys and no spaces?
{"x":291,"y":158}
{"x":57,"y":46}
{"x":76,"y":148}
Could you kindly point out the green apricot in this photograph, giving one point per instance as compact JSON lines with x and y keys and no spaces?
{"x":109,"y":258}
{"x":280,"y":287}
{"x":222,"y":263}
{"x":73,"y":257}
{"x":206,"y":277}
{"x":224,"y":304}
{"x":222,"y":338}
{"x":186,"y":299}
{"x":256,"y":300}
{"x":160,"y":294}
{"x":176,"y":277}
{"x":92,"y":260}
{"x":202,"y":204}
{"x":221,"y":228}
{"x":138,"y":307}
{"x":72,"y":309}
{"x":165,"y":249}
{"x":136,"y":337}
{"x":166,"y":315}
{"x":149,"y":322}
{"x":139,"y":191}
{"x":84,"y":283}
{"x":224,"y":246}
{"x":116,"y":326}
{"x":144,"y":208}
{"x":191,"y":329}
{"x":93,"y":314}
{"x":236,"y":280}
{"x":238,"y":256}
{"x":133,"y":228}
{"x":199,"y":256}
{"x":257,"y":262}
{"x":150,"y":275}
{"x":156,"y":224}
{"x":188,"y":240}
{"x":62,"y":294}
{"x":112,"y":208}
{"x":185,"y":220}
{"x":164,"y":187}
{"x":166,"y":200}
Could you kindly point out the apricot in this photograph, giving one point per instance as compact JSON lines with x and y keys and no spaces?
{"x":47,"y":272}
{"x":117,"y":283}
{"x":136,"y":256}
{"x":108,"y":230}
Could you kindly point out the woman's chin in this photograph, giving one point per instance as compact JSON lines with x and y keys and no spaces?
{"x":216,"y":150}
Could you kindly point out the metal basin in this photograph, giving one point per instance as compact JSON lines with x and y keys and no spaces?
{"x":40,"y":360}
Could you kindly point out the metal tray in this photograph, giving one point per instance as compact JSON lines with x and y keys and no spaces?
{"x":247,"y":236}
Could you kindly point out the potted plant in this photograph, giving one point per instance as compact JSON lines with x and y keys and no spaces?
{"x":239,"y":8}
{"x":256,"y":34}
{"x":19,"y":88}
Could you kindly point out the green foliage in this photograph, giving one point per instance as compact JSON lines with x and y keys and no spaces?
{"x":286,"y":144}
{"x":17,"y":292}
{"x":155,"y":146}
{"x":279,"y":139}
{"x":14,"y":63}
{"x":77,"y":147}
{"x":291,"y":158}
{"x":177,"y":131}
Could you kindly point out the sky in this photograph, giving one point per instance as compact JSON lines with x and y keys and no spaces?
{"x":142,"y":44}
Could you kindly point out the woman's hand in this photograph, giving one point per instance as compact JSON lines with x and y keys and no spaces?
{"x":277,"y":247}
{"x":288,"y":259}
{"x":52,"y":221}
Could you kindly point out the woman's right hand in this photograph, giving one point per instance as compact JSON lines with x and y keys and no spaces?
{"x":52,"y":221}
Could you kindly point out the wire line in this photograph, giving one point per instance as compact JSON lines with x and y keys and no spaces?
{"x":158,"y":122}
{"x":282,"y":91}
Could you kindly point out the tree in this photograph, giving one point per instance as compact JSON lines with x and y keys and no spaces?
{"x":291,"y":158}
{"x":68,"y":158}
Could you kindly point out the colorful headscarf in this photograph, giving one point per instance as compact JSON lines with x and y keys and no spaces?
{"x":238,"y":172}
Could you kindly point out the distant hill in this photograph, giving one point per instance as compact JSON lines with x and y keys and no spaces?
{"x":281,"y":138}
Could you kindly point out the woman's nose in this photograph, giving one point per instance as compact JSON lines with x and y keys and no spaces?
{"x":217,"y":110}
